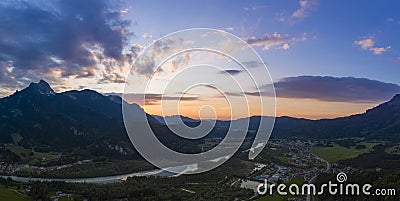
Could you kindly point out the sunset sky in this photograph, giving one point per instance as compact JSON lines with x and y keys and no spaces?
{"x":326,"y":58}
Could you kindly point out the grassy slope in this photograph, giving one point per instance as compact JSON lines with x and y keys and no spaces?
{"x":337,"y":153}
{"x":25,"y":154}
{"x":10,"y":195}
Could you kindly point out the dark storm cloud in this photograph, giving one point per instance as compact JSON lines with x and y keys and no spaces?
{"x":336,"y":89}
{"x":331,"y":89}
{"x":38,"y":36}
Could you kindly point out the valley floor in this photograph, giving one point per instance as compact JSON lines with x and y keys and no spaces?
{"x":282,"y":161}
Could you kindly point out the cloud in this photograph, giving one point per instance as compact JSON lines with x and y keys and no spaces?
{"x":335,"y":89}
{"x":397,"y":59}
{"x":389,"y":20}
{"x":66,"y":38}
{"x":285,"y":46}
{"x":253,"y":8}
{"x":152,"y":98}
{"x":302,"y":12}
{"x":231,"y":71}
{"x":147,"y":35}
{"x":179,"y":61}
{"x":275,"y":39}
{"x":124,"y":11}
{"x":365,"y":44}
{"x":111,"y":78}
{"x":252,"y":64}
{"x":380,"y":50}
{"x":369,"y":44}
{"x":228,"y":29}
{"x":145,"y":65}
{"x":115,"y":70}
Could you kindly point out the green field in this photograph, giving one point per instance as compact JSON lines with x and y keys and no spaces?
{"x":277,"y":197}
{"x":393,"y":150}
{"x":29,"y":156}
{"x":10,"y":195}
{"x":282,"y":159}
{"x":64,"y":198}
{"x":338,"y":153}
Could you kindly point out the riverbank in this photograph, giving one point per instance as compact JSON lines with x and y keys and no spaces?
{"x":100,"y":180}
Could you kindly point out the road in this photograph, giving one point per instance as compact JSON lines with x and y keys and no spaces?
{"x":328,"y":166}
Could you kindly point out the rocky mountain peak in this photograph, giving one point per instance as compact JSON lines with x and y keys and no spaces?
{"x":42,"y":87}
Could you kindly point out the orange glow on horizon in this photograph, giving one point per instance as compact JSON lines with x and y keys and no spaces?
{"x":299,"y":108}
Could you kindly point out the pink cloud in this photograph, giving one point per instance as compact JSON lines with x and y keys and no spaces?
{"x":366,"y":43}
{"x":369,"y":44}
{"x":380,"y":50}
{"x":303,"y":11}
{"x":285,"y":46}
{"x":276,"y":39}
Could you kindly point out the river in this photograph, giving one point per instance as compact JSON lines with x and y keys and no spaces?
{"x":103,"y":180}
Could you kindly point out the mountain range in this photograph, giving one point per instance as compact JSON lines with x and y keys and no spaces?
{"x":39,"y":117}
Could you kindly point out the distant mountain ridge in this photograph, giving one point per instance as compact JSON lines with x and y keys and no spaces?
{"x":74,"y":118}
{"x":58,"y":121}
{"x":380,"y":122}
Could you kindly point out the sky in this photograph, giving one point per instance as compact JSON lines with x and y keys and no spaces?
{"x":326,"y":58}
